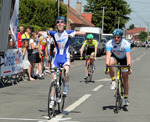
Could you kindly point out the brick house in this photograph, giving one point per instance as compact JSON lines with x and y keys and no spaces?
{"x":133,"y":34}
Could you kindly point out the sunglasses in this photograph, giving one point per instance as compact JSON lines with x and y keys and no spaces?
{"x":89,"y":39}
{"x":60,"y":21}
{"x":117,"y":37}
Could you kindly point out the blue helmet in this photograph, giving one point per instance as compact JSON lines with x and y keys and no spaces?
{"x":62,"y":18}
{"x":118,"y":32}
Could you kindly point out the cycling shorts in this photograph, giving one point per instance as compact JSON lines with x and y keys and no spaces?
{"x":90,"y":50}
{"x":121,"y":61}
{"x":61,"y":59}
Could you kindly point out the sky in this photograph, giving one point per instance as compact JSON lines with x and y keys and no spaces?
{"x":140,"y":16}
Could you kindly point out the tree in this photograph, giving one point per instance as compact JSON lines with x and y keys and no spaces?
{"x":39,"y":13}
{"x":115,"y":9}
{"x":142,"y":36}
{"x":131,"y":27}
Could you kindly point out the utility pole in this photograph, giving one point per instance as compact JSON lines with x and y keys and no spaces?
{"x":118,"y":22}
{"x":148,"y":31}
{"x":57,"y":8}
{"x":103,"y":21}
{"x":68,"y":14}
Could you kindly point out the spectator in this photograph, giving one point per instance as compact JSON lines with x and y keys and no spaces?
{"x":31,"y":56}
{"x":42,"y":51}
{"x":26,"y":35}
{"x":48,"y":48}
{"x":20,"y":33}
{"x":26,"y":63}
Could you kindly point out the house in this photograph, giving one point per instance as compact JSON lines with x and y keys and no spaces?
{"x":78,"y":19}
{"x":133,"y":34}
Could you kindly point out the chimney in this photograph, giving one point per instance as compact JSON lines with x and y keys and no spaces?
{"x":78,"y":7}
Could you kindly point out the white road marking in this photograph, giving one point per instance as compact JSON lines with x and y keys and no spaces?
{"x":23,"y":119}
{"x":139,"y":58}
{"x":73,"y":106}
{"x":98,"y":87}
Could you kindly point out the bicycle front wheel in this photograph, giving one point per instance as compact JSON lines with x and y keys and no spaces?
{"x":52,"y":93}
{"x":117,"y":103}
{"x":61,"y":97}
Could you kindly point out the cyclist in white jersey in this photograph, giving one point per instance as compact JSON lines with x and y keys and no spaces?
{"x":118,"y":51}
{"x":62,"y":42}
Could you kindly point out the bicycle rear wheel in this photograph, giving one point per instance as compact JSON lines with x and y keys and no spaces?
{"x":61,"y":97}
{"x":52,"y":91}
{"x":91,"y":73}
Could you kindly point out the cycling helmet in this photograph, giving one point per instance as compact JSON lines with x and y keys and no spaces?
{"x":62,"y":18}
{"x":90,"y":36}
{"x":118,"y":32}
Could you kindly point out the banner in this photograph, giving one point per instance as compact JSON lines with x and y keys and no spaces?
{"x":14,"y":23}
{"x":13,"y":62}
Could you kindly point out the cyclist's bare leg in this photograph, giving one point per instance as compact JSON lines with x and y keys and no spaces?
{"x":66,"y":77}
{"x":86,"y":71}
{"x":111,"y":69}
{"x":125,"y":77}
{"x":92,"y":57}
{"x":53,"y":91}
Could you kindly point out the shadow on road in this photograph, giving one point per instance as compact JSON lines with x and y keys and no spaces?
{"x":87,"y":82}
{"x":112,"y":107}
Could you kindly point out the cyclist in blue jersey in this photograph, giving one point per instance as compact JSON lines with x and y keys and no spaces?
{"x":62,"y":42}
{"x":146,"y":43}
{"x":118,"y":51}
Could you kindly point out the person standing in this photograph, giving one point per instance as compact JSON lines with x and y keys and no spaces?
{"x":20,"y":33}
{"x":26,"y":63}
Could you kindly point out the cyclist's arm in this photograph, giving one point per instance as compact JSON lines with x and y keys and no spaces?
{"x":80,"y":33}
{"x":81,"y":50}
{"x":128,"y":55}
{"x":95,"y":49}
{"x":108,"y":54}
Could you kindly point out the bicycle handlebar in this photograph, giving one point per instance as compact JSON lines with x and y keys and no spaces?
{"x":118,"y":66}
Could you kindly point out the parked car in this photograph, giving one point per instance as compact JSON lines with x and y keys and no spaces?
{"x":72,"y":58}
{"x":76,"y":44}
{"x":131,"y":42}
{"x":104,"y":40}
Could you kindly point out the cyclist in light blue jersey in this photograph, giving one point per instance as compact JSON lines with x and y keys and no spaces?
{"x":118,"y":51}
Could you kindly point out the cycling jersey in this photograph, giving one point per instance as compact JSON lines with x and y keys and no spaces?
{"x":91,"y":45}
{"x":118,"y":50}
{"x":43,"y":43}
{"x":146,"y":42}
{"x":62,"y":43}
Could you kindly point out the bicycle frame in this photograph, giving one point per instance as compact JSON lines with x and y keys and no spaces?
{"x":55,"y":91}
{"x":119,"y":87}
{"x":89,"y":69}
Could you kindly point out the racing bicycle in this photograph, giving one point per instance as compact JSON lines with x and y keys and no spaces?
{"x":56,"y":90}
{"x":119,"y":90}
{"x":90,"y":69}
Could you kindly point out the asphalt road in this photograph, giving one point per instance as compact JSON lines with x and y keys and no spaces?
{"x":92,"y":102}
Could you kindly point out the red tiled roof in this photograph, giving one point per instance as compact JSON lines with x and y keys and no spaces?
{"x":87,"y":16}
{"x":77,"y":18}
{"x":135,"y":30}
